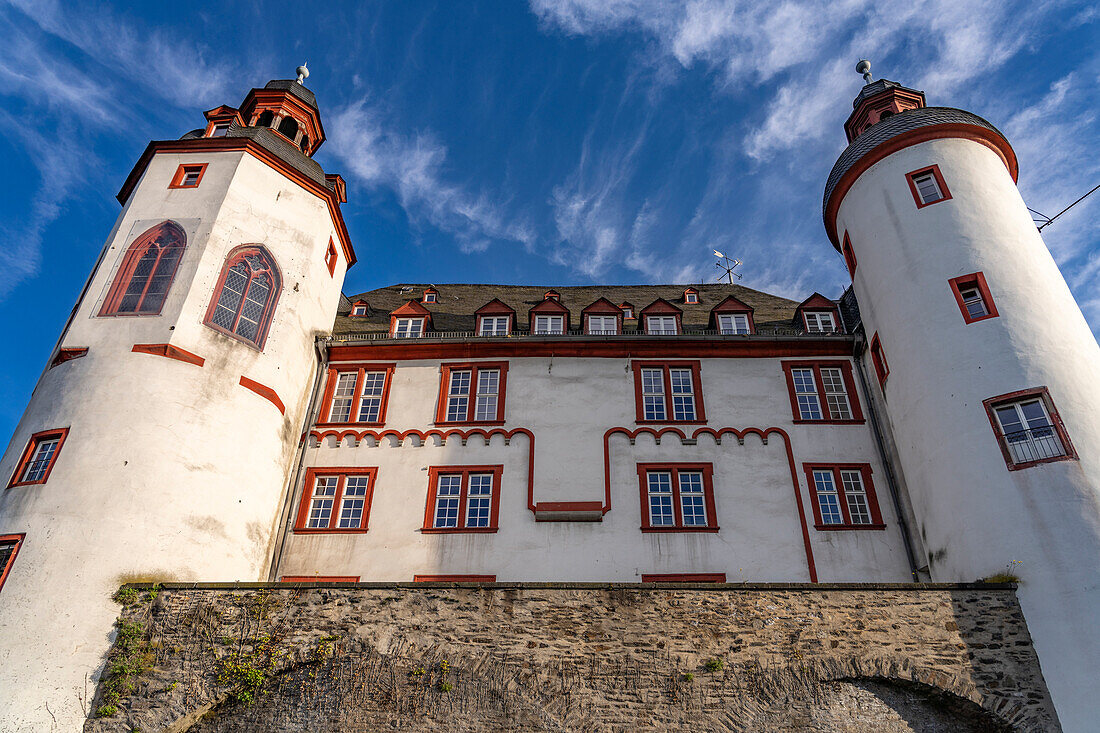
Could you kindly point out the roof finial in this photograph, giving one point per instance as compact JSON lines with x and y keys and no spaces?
{"x":303,"y":72}
{"x":864,"y":67}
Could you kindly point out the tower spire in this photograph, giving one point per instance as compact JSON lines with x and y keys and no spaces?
{"x":864,"y":67}
{"x":302,"y":72}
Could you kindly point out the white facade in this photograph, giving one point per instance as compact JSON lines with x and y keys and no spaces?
{"x":975,"y":516}
{"x":170,"y":470}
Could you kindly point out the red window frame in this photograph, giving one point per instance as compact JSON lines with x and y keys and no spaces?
{"x":430,"y":292}
{"x":707,"y":469}
{"x":17,"y":540}
{"x":28,"y":453}
{"x":334,"y":372}
{"x":235,"y":256}
{"x":697,"y":386}
{"x":331,"y":258}
{"x":826,"y":416}
{"x":319,"y":579}
{"x":849,"y":255}
{"x":130,"y":261}
{"x":471,"y":401}
{"x":184,"y":170}
{"x":868,"y":488}
{"x":434,"y":472}
{"x":64,"y":355}
{"x":691,"y":296}
{"x":878,"y":359}
{"x":975,"y":280}
{"x":454,"y":578}
{"x":1043,"y":394}
{"x":935,"y":171}
{"x":683,"y":577}
{"x":359,"y":304}
{"x":306,"y":503}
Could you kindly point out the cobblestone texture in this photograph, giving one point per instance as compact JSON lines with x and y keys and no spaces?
{"x":582,"y":658}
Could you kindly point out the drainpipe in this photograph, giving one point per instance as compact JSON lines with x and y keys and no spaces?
{"x":891,"y":479}
{"x":285,"y":522}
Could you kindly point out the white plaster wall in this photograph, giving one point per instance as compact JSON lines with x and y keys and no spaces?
{"x":975,"y":516}
{"x":170,"y":470}
{"x":569,"y":405}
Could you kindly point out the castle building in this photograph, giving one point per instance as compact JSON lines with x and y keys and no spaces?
{"x":217,"y":410}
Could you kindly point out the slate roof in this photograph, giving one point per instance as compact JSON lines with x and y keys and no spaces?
{"x":891,"y":127}
{"x":876,"y":87}
{"x":277,"y":144}
{"x":292,"y":86}
{"x":458,"y":302}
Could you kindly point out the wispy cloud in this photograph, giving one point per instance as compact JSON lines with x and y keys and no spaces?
{"x":414,"y":166}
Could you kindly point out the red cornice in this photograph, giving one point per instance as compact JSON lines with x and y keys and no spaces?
{"x":612,"y":347}
{"x":976,"y":133}
{"x":229,"y":144}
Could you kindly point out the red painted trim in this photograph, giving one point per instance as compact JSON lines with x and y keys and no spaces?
{"x":849,"y":386}
{"x":169,"y":351}
{"x":849,"y":256}
{"x":334,"y":372}
{"x":223,"y":144}
{"x":471,"y":397}
{"x":661,"y":307}
{"x":495,"y":307}
{"x":731,"y":305}
{"x":707,"y":469}
{"x":935,"y":171}
{"x":32,"y":443}
{"x":263,"y":391}
{"x":430,"y":291}
{"x":319,"y":579}
{"x":134,"y":253}
{"x":717,"y":434}
{"x":683,"y":577}
{"x":64,"y":355}
{"x":235,"y":255}
{"x":868,"y":486}
{"x":569,"y":506}
{"x":602,"y":307}
{"x":878,"y":359}
{"x":548,"y":307}
{"x":1056,"y":420}
{"x":434,"y":472}
{"x":331,"y":258}
{"x":18,"y":540}
{"x":342,"y":473}
{"x":454,"y":578}
{"x":697,"y":386}
{"x":183,"y":171}
{"x":962,"y":131}
{"x":687,"y":299}
{"x":617,"y":348}
{"x":977,"y":281}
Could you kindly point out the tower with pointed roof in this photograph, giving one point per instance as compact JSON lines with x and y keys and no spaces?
{"x":161,"y":436}
{"x":986,"y":369}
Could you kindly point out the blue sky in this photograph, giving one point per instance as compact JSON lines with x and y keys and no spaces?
{"x":550,"y":141}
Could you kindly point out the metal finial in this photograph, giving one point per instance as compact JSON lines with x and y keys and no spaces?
{"x":303,"y":72}
{"x":864,"y":67}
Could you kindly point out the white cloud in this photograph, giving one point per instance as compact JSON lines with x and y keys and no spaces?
{"x":414,"y":167}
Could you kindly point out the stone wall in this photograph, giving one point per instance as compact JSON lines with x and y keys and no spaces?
{"x":571,"y":657}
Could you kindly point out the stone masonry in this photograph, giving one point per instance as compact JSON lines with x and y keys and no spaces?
{"x":353,"y":658}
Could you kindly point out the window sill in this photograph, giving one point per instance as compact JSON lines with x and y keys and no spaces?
{"x":670,"y":422}
{"x":319,"y":530}
{"x":802,"y":421}
{"x":680,"y":529}
{"x":443,"y":424}
{"x":1029,"y":464}
{"x":844,"y":527}
{"x":16,"y":484}
{"x":458,"y":530}
{"x":348,"y":424}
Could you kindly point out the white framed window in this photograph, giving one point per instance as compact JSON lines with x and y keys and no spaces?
{"x":927,"y":188}
{"x":660,"y":325}
{"x":549,"y":324}
{"x":448,"y":494}
{"x":683,"y":394}
{"x":1027,"y":431}
{"x":221,"y":129}
{"x":463,"y":499}
{"x":693,"y":509}
{"x":353,"y":502}
{"x":322,"y":500}
{"x":843,"y":496}
{"x":343,"y":394}
{"x":653,"y":394}
{"x":691,"y":297}
{"x":836,"y":393}
{"x":677,"y":497}
{"x":408,"y":328}
{"x":603,"y":325}
{"x":472,"y":393}
{"x":430,"y":297}
{"x":805,"y":390}
{"x":828,"y":498}
{"x":359,"y":310}
{"x":479,"y":499}
{"x":488,"y":391}
{"x":733,"y":323}
{"x":819,"y":321}
{"x":494,"y":326}
{"x":370,"y":400}
{"x":41,"y":457}
{"x":660,"y":499}
{"x":628,"y":312}
{"x":458,"y":395}
{"x":973,"y":302}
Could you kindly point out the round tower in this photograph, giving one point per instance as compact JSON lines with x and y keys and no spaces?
{"x":158,"y":441}
{"x":987,"y":370}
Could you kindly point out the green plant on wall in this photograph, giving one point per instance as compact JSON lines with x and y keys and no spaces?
{"x":129,"y":659}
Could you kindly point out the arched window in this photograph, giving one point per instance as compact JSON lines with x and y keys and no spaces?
{"x":266,"y":117}
{"x":146,"y":272}
{"x":289,"y":127}
{"x":244,"y":300}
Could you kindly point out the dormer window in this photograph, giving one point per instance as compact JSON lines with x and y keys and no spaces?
{"x":359,"y":309}
{"x":819,"y":321}
{"x":220,"y":130}
{"x":430,"y":296}
{"x":408,"y":328}
{"x":691,"y":297}
{"x":628,"y":311}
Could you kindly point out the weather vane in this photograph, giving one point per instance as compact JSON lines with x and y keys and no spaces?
{"x":727,"y":265}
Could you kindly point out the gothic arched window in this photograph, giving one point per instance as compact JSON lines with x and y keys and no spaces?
{"x":146,"y":272}
{"x":244,"y":300}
